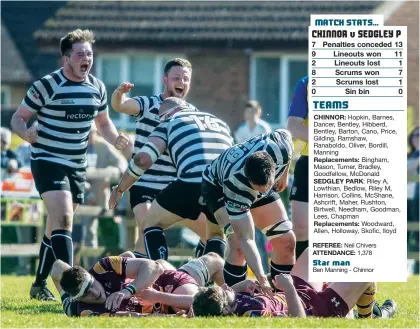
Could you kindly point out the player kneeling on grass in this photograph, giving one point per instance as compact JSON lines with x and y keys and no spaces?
{"x":120,"y":285}
{"x":297,"y":297}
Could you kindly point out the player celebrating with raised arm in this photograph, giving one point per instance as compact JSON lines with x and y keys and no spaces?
{"x":193,"y":139}
{"x":144,"y":109}
{"x":65,"y":102}
{"x":240,"y":189}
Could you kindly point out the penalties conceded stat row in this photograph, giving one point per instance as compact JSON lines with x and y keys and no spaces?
{"x":357,"y":143}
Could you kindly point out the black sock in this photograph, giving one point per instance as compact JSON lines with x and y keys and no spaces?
{"x":234,"y":273}
{"x":62,"y":245}
{"x":300,"y":247}
{"x":217,"y":246}
{"x":139,"y":255}
{"x":277,"y":269}
{"x":155,"y":242}
{"x":199,"y":250}
{"x":46,"y":261}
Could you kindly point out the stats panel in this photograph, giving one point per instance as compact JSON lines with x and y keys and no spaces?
{"x":357,"y":98}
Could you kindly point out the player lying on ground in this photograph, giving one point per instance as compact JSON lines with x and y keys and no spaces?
{"x":298,"y":297}
{"x":127,"y":284}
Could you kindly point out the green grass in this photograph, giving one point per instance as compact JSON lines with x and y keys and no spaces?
{"x":18,"y":311}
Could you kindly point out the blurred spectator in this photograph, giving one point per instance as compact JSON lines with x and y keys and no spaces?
{"x":104,"y":164}
{"x":413,"y":176}
{"x":24,"y":152}
{"x":413,"y":189}
{"x":10,"y":161}
{"x":253,"y":124}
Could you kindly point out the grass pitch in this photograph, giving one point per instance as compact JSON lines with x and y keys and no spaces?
{"x":18,"y":311}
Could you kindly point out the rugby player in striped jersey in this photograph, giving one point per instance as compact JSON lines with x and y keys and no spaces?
{"x":65,"y":102}
{"x":192,"y":139}
{"x":144,"y":109}
{"x":240,"y":189}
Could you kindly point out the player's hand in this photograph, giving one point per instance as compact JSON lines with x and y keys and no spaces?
{"x":124,"y":87}
{"x":122,"y":141}
{"x":265,"y":286}
{"x":148,"y":294}
{"x":252,"y":287}
{"x":190,"y":313}
{"x":114,"y":300}
{"x":182,"y":314}
{"x":280,"y":186}
{"x":90,"y":314}
{"x":283,"y":281}
{"x":115,"y":197}
{"x":32,"y":133}
{"x":185,"y":314}
{"x":12,"y":166}
{"x":129,"y":314}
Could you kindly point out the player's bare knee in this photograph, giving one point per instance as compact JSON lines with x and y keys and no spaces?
{"x":214,"y":257}
{"x":286,"y":242}
{"x":140,"y":230}
{"x":152,"y":221}
{"x":234,"y":244}
{"x":140,"y":214}
{"x":300,"y":227}
{"x":299,"y":224}
{"x":65,"y":221}
{"x":127,"y":254}
{"x":139,"y":221}
{"x":214,"y":231}
{"x":165,"y":264}
{"x":214,"y":262}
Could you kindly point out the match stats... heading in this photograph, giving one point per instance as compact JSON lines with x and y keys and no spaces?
{"x":357,"y":98}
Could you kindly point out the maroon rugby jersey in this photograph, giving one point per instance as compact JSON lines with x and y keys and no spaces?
{"x":111,"y":273}
{"x":326,"y":303}
{"x":260,"y":305}
{"x":168,"y":282}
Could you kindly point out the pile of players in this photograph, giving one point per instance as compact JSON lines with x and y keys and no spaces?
{"x":128,"y":286}
{"x":185,"y":167}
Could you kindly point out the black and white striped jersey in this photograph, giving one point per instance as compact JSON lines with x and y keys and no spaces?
{"x":65,"y":110}
{"x":227,"y":171}
{"x":193,"y":140}
{"x":163,"y":170}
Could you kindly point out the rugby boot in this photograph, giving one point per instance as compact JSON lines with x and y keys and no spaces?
{"x":41,"y":293}
{"x":388,"y":309}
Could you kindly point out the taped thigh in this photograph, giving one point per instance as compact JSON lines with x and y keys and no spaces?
{"x":278,"y":229}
